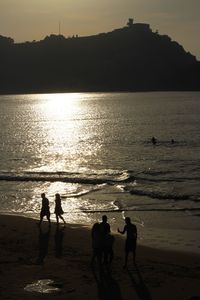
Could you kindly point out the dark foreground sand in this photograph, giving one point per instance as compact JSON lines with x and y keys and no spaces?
{"x":28,"y":255}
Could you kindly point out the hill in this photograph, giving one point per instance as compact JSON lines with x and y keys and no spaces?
{"x":133,"y":58}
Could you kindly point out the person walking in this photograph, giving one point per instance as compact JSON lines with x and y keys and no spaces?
{"x":131,"y":239}
{"x":58,"y":209}
{"x":45,"y":209}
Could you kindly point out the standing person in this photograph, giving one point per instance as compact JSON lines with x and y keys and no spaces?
{"x":131,"y":239}
{"x":96,"y":243}
{"x":45,"y":209}
{"x":58,"y":209}
{"x":104,"y":228}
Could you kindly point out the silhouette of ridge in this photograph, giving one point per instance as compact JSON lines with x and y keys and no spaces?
{"x":132,"y":58}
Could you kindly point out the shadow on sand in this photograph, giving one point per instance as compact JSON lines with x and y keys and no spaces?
{"x":44,"y":235}
{"x":108,"y":287}
{"x":139,"y":284}
{"x":58,"y":238}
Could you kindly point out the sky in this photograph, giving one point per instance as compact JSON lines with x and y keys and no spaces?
{"x":28,"y":20}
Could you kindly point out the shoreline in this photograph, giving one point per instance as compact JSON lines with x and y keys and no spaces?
{"x":88,"y":91}
{"x":63,"y":254}
{"x":175,"y":239}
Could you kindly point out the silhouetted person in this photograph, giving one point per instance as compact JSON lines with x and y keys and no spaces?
{"x":153,"y":140}
{"x":104,"y":226}
{"x":45,"y":209}
{"x":96,"y":243}
{"x":131,"y":239}
{"x":104,"y":231}
{"x":58,"y":209}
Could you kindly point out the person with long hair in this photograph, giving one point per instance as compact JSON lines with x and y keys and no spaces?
{"x":58,"y":209}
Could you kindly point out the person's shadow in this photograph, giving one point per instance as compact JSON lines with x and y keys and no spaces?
{"x":58,"y":238}
{"x":139,"y":284}
{"x":108,"y":288}
{"x":43,"y":238}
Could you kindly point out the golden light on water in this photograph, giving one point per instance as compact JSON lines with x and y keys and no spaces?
{"x":62,"y":128}
{"x":62,"y":105}
{"x":66,"y":129}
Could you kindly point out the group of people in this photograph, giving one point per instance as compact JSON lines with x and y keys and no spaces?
{"x":45,"y":210}
{"x":103,"y":240}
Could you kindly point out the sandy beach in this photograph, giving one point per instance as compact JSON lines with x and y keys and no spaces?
{"x":63,"y":255}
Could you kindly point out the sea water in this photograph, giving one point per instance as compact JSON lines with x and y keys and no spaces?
{"x":95,"y":150}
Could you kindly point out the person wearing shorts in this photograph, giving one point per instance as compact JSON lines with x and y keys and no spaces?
{"x":131,"y":239}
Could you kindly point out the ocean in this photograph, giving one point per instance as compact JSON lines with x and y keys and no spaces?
{"x":95,"y":150}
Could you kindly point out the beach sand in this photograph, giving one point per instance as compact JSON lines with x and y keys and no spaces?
{"x":63,"y":255}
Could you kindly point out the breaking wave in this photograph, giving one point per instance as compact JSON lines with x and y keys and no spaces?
{"x":134,"y":183}
{"x":106,"y":176}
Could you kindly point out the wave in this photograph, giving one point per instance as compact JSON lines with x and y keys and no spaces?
{"x":102,"y":177}
{"x":120,"y":210}
{"x":97,"y":176}
{"x":125,"y":179}
{"x":85,"y":191}
{"x":161,"y":195}
{"x":164,"y":176}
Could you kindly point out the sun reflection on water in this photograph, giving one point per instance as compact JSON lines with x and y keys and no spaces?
{"x":63,"y":130}
{"x":61,"y":105}
{"x":66,"y":140}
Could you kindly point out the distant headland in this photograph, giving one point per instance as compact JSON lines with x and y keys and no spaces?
{"x":132,"y":58}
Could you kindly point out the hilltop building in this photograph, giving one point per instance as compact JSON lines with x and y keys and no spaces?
{"x":138,"y":26}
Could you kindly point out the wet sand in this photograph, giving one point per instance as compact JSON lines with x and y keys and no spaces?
{"x":63,"y":254}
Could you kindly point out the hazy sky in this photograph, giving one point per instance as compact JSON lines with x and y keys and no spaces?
{"x":27,"y":20}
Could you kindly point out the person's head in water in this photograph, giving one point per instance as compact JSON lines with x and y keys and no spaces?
{"x":104,"y":218}
{"x":127,"y":220}
{"x":153,"y":140}
{"x":57,"y":196}
{"x":43,"y":195}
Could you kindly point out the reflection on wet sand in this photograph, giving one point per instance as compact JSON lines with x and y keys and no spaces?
{"x":58,"y":238}
{"x":44,"y":235}
{"x":44,"y":286}
{"x":43,"y":242}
